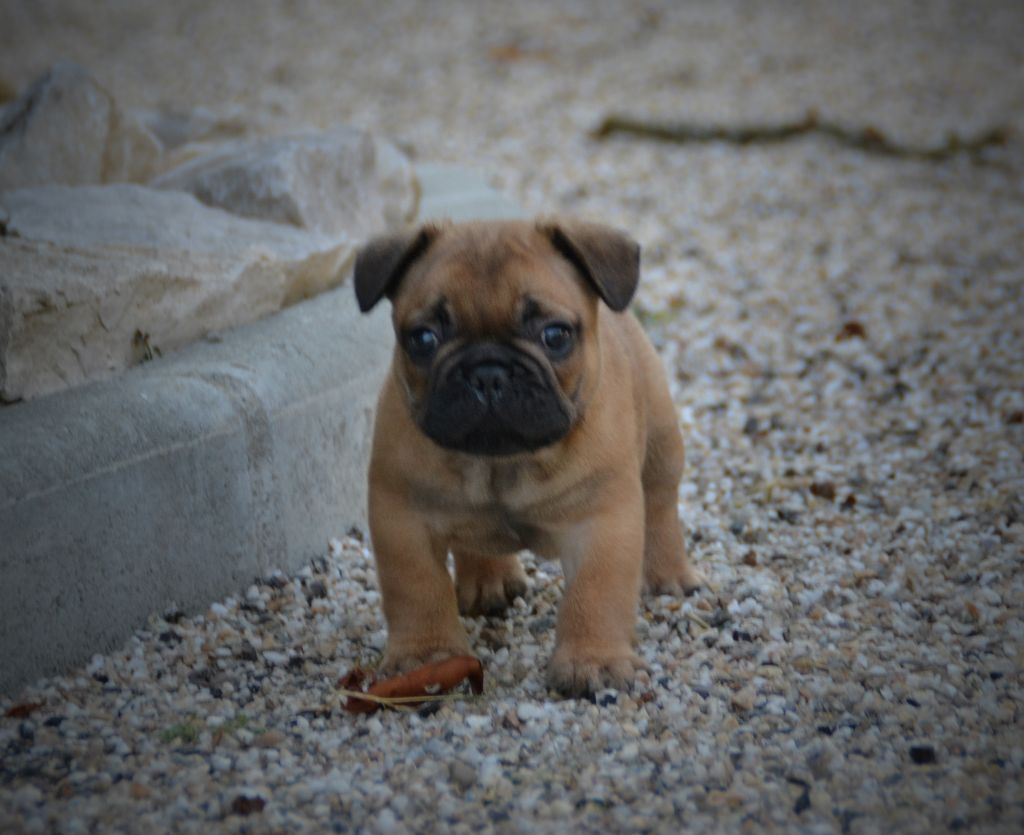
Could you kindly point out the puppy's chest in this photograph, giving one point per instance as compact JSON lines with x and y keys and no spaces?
{"x":491,"y":510}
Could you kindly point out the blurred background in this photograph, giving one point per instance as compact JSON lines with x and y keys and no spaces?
{"x":515,"y":87}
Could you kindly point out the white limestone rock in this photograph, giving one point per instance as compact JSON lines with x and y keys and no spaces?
{"x":399,"y":186}
{"x":67,"y":130}
{"x":94,"y":279}
{"x":176,"y":128}
{"x":341,"y":180}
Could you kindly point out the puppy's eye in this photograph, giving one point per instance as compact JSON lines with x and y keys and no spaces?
{"x":557,"y":339}
{"x":421,"y":343}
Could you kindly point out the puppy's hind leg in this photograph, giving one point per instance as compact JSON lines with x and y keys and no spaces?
{"x":667,"y":569}
{"x":487,"y":585}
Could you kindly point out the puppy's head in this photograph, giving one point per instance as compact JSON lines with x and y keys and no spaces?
{"x":496,"y":324}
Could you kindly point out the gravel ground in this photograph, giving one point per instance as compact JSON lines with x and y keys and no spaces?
{"x":844,"y":335}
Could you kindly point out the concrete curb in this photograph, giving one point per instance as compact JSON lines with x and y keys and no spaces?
{"x":184,"y":479}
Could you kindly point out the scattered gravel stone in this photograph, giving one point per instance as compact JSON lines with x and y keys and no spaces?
{"x":462,"y":774}
{"x":744,"y":699}
{"x":922,"y":754}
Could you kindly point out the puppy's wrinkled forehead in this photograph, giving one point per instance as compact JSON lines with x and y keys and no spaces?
{"x":485,"y":274}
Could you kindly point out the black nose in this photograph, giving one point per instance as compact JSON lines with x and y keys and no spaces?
{"x":489,"y":380}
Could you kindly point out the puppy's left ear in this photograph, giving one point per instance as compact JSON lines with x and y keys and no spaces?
{"x":383,"y":261}
{"x":607,"y":258}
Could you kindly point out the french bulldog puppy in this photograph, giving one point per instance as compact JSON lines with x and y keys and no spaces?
{"x":524,"y":409}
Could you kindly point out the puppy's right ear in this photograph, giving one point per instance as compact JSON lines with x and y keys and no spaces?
{"x":607,"y":258}
{"x":382,"y":262}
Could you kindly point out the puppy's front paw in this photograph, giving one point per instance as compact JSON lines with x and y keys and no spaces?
{"x":401,"y":659}
{"x":578,"y":674}
{"x":683,"y":579}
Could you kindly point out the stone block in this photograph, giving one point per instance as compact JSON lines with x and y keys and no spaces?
{"x":182,"y":480}
{"x":338,"y":181}
{"x":95,"y":279}
{"x":67,"y":130}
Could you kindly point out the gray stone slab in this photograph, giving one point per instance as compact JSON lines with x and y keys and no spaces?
{"x":107,"y":514}
{"x":182,"y":480}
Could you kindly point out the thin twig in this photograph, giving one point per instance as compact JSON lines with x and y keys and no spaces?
{"x":399,"y":700}
{"x":867,"y":138}
{"x":697,"y":619}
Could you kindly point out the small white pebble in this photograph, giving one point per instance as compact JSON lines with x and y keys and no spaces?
{"x":528,"y":711}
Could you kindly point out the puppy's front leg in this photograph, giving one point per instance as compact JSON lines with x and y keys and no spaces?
{"x":416,"y":589}
{"x":602,"y":561}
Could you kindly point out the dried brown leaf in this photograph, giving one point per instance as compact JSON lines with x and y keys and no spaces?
{"x":353,"y":679}
{"x":851,"y":330}
{"x":824,"y":490}
{"x":421,"y":684}
{"x":23,"y":710}
{"x":244,"y":805}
